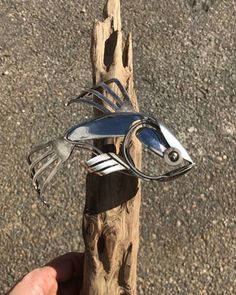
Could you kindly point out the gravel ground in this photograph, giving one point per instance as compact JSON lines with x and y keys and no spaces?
{"x":185,"y":62}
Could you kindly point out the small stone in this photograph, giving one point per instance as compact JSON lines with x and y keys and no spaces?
{"x":191,"y":129}
{"x":178,"y":223}
{"x":154,"y":236}
{"x":202,"y":197}
{"x":5,"y":73}
{"x":83,"y":10}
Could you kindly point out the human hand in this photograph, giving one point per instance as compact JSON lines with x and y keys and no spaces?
{"x":61,"y":276}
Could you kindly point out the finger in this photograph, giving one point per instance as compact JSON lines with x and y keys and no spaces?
{"x":39,"y":281}
{"x":68,"y":266}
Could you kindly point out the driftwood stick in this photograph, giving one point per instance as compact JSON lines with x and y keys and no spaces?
{"x":111,"y":215}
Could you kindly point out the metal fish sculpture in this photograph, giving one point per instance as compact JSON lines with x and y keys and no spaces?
{"x":119,"y":120}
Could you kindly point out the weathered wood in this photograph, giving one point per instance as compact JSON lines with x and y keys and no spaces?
{"x":111,"y":215}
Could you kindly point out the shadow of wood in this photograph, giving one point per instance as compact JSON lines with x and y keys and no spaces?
{"x":123,"y":188}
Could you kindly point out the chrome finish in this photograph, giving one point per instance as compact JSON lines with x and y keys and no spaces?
{"x":95,"y":92}
{"x":173,"y":142}
{"x":118,"y":120}
{"x":105,"y":164}
{"x":111,"y":125}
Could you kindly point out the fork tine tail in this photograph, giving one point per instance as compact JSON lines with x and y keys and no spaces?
{"x":36,"y":149}
{"x":50,"y":176}
{"x":42,"y":199}
{"x":41,"y":170}
{"x":40,"y":158}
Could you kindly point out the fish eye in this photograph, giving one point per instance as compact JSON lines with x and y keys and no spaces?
{"x":173,"y":157}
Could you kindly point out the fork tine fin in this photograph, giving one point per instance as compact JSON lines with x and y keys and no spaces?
{"x":120,"y":86}
{"x":99,"y":95}
{"x":105,"y":86}
{"x":87,"y":100}
{"x":110,"y":91}
{"x":103,"y":98}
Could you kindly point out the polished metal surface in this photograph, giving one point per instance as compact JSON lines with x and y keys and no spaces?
{"x":112,"y":125}
{"x":105,"y":164}
{"x":118,"y":120}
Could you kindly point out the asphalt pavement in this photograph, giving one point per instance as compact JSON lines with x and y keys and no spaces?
{"x":185,"y":74}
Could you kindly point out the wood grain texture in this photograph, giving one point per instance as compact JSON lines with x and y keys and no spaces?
{"x":111,"y":215}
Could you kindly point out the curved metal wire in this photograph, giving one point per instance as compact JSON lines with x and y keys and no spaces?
{"x":165,"y":177}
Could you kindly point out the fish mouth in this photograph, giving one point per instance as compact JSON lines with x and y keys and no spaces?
{"x":182,"y":165}
{"x":168,"y":176}
{"x":176,"y":172}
